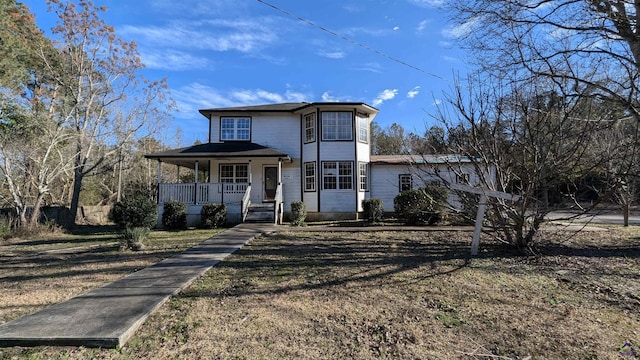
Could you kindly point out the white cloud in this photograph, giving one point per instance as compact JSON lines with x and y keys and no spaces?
{"x":428,"y":3}
{"x":385,"y":95}
{"x":414,"y":92}
{"x":460,"y":30}
{"x":437,"y":102}
{"x":196,"y":96}
{"x":354,"y":31}
{"x":326,"y":97}
{"x":218,"y":35}
{"x":373,"y":67}
{"x":422,"y":25}
{"x":331,"y":54}
{"x":396,"y":28}
{"x":172,"y":60}
{"x":450,"y":58}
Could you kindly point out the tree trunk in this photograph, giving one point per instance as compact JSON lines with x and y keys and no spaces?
{"x":75,"y":197}
{"x":625,"y":213}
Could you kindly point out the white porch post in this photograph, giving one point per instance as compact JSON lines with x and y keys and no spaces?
{"x":159,"y":180}
{"x":195,"y":188}
{"x":279,"y":171}
{"x":250,"y":175}
{"x":159,"y":172}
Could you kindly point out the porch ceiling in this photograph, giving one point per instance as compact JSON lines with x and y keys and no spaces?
{"x":187,"y":156}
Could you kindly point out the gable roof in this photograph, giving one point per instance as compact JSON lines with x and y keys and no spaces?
{"x":418,"y":159}
{"x":230,"y":149}
{"x":290,"y":107}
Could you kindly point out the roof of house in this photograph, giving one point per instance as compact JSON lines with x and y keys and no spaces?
{"x":286,"y":107}
{"x":418,"y":159}
{"x":229,"y":149}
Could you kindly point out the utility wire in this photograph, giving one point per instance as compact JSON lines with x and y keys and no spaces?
{"x":349,"y":39}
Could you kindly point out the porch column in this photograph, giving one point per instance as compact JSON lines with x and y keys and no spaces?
{"x":250,"y":176}
{"x":279,"y":171}
{"x":159,"y":180}
{"x":195,"y":188}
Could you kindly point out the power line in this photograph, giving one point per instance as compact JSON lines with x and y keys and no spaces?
{"x":345,"y":38}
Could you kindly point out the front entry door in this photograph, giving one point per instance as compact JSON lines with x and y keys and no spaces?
{"x":270,"y":182}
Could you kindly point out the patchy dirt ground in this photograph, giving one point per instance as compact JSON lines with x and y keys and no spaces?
{"x":399,"y":295}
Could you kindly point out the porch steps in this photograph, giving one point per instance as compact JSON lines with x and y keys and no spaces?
{"x":260,"y":213}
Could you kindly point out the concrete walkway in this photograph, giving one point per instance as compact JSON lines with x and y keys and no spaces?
{"x":108,"y":316}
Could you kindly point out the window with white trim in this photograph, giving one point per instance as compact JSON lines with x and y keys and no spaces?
{"x":310,"y":128}
{"x":235,"y":128}
{"x":234,"y":173}
{"x":310,"y":176}
{"x":337,"y":175}
{"x":363,"y":176}
{"x":405,"y":182}
{"x":363,"y":130}
{"x":337,"y":125}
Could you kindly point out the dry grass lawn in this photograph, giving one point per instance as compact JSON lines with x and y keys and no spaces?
{"x":364,"y":295}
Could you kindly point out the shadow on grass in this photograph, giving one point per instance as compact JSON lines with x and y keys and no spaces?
{"x":291,"y":262}
{"x":89,"y":262}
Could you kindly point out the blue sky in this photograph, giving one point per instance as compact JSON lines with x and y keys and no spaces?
{"x":218,"y":53}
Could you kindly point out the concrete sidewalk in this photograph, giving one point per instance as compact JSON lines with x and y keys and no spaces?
{"x":108,"y":316}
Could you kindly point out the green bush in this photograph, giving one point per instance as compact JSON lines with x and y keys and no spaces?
{"x":133,"y":238}
{"x":373,"y":209}
{"x":5,"y":227}
{"x":298,"y":213}
{"x":174,"y":215}
{"x":421,"y":206}
{"x":135,"y":211}
{"x":213,"y":215}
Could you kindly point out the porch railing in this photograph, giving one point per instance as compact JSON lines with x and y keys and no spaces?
{"x":246,"y":202}
{"x":202,"y":193}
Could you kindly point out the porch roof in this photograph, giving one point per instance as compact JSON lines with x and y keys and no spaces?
{"x":186,"y":156}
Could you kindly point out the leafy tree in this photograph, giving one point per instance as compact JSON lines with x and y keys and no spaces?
{"x":29,"y":142}
{"x":389,"y":141}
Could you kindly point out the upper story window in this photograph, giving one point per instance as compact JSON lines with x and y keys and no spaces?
{"x":235,"y":128}
{"x":310,"y":128}
{"x":363,"y":130}
{"x":337,"y":125}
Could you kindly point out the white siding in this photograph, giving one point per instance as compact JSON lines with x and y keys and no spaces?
{"x":278,"y":132}
{"x":291,"y":184}
{"x":338,"y":201}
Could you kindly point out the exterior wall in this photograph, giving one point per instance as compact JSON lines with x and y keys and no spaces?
{"x":385,"y":181}
{"x":281,"y":132}
{"x":291,"y":183}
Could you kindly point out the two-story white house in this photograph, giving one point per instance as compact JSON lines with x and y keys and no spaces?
{"x":260,"y":159}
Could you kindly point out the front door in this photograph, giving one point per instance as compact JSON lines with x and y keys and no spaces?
{"x":270,"y":182}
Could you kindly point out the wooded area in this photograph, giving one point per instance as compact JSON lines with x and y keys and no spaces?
{"x":76,"y":114}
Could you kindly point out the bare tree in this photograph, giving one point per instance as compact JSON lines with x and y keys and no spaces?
{"x":537,"y":138}
{"x":594,"y":45}
{"x":102,"y":97}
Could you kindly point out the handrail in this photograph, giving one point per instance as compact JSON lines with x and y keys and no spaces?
{"x":278,"y":208}
{"x":246,"y":202}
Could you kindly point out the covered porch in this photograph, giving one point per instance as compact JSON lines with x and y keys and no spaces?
{"x":237,"y":174}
